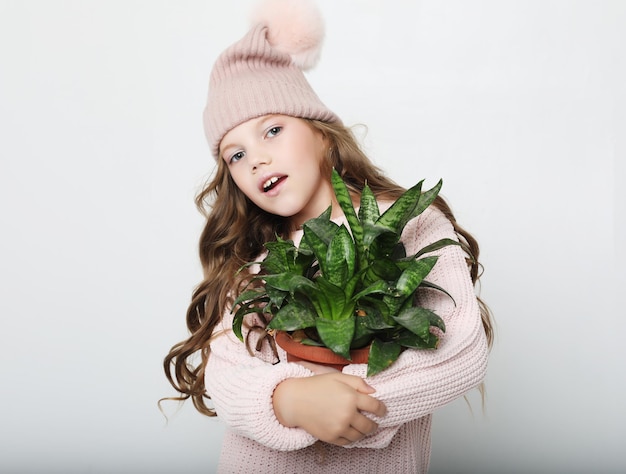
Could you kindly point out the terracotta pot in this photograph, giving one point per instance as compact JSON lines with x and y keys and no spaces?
{"x":319,"y":355}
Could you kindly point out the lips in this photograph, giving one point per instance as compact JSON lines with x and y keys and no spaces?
{"x":270,"y":182}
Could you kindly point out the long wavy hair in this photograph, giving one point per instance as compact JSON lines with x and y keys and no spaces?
{"x":235,"y":233}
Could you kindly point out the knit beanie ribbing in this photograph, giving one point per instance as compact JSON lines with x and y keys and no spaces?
{"x":263,"y":73}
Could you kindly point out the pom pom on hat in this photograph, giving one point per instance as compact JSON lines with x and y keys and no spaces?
{"x":262,"y":74}
{"x":294,"y":27}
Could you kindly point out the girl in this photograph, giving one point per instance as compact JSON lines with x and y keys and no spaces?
{"x":275,"y":144}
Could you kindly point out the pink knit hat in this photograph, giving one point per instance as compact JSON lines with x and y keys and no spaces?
{"x":263,"y":72}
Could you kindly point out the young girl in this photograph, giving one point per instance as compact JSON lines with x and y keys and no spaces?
{"x":275,"y":144}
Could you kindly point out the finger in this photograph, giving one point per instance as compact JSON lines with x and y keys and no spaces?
{"x":371,"y":405}
{"x":340,"y":441}
{"x":352,"y":435}
{"x":357,"y":383}
{"x":364,"y":425}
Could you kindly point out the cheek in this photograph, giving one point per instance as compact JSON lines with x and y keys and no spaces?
{"x":239,"y":181}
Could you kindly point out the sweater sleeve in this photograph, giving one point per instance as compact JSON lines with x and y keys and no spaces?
{"x":421,"y":381}
{"x":241,"y":388}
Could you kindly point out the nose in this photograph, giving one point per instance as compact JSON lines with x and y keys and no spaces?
{"x":258,"y":158}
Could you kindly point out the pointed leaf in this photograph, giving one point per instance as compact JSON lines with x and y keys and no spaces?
{"x":345,"y":202}
{"x":322,"y":227}
{"x":409,"y":339}
{"x":427,"y":284}
{"x":336,"y":334}
{"x":413,"y":275}
{"x":340,"y":259}
{"x":318,"y":238}
{"x":311,"y":342}
{"x":277,"y":297}
{"x":371,"y":232}
{"x":296,"y":315}
{"x":379,"y":286}
{"x":427,"y":198}
{"x":369,"y":211}
{"x":416,"y":319}
{"x":304,"y":258}
{"x":280,"y":256}
{"x":382,"y":355}
{"x":386,"y":269}
{"x":436,"y":246}
{"x":362,"y":333}
{"x":384,"y":245}
{"x":350,"y":287}
{"x":238,"y":318}
{"x":373,"y":319}
{"x":436,"y":321}
{"x":396,"y":217}
{"x":336,"y":298}
{"x":290,"y":282}
{"x":250,"y":296}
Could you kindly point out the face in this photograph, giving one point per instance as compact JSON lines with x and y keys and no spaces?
{"x":275,"y":161}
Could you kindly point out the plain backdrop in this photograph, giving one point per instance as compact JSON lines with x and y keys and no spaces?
{"x":518,"y":105}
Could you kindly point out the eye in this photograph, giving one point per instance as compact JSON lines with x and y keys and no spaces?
{"x":236,"y":157}
{"x":272,"y":132}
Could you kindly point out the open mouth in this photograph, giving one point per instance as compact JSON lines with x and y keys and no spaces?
{"x":272,"y":182}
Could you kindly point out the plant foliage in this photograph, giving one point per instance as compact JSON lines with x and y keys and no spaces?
{"x":349,"y":288}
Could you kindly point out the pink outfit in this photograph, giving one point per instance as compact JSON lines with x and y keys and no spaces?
{"x":418,"y":383}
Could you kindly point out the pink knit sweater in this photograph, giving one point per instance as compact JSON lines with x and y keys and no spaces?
{"x":418,"y":383}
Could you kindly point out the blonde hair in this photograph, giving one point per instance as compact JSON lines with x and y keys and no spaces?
{"x":234,"y":234}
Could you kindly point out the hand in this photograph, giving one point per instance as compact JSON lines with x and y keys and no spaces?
{"x":317,"y":369}
{"x":328,"y":406}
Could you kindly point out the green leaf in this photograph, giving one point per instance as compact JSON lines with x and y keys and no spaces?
{"x":426,"y":199}
{"x":336,"y":334}
{"x":304,"y":259}
{"x":351,"y":285}
{"x":373,"y":319}
{"x":240,"y":314}
{"x":310,"y":342}
{"x":280,"y":256}
{"x":340,"y":259}
{"x":436,"y":246}
{"x":362,"y":333}
{"x":398,"y":252}
{"x":413,"y":275}
{"x":276,"y":296}
{"x":382,"y":355}
{"x":396,"y":217}
{"x":289,"y":282}
{"x":379,"y":305}
{"x":249,"y":296}
{"x":413,"y":341}
{"x":436,"y":321}
{"x":427,"y":284}
{"x":345,"y":202}
{"x":377,"y":287}
{"x":319,"y":242}
{"x":369,"y":211}
{"x":372,"y":232}
{"x":416,"y":319}
{"x":336,"y":299}
{"x":296,"y":315}
{"x":320,"y":301}
{"x":385,"y":269}
{"x":323,"y":228}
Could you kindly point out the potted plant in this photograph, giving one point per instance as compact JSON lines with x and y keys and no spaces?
{"x":343,"y":289}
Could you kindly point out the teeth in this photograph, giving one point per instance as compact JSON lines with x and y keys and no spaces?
{"x":269,"y":183}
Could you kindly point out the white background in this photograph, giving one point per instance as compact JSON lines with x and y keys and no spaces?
{"x":518,"y":105}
